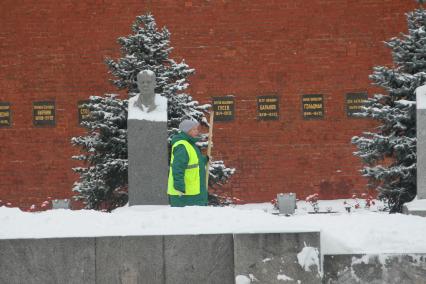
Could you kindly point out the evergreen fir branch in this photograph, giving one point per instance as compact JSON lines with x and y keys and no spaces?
{"x":389,"y":153}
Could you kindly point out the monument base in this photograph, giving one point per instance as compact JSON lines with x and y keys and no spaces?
{"x":148,"y":162}
{"x":148,"y":153}
{"x":415,"y":207}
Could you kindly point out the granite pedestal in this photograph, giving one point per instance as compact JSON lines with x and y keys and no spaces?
{"x":147,"y":154}
{"x":148,"y":162}
{"x":421,"y":154}
{"x":416,"y":207}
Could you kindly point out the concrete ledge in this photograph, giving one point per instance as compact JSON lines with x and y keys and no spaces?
{"x":70,"y":260}
{"x":273,"y":258}
{"x":182,"y":259}
{"x":137,"y":259}
{"x":218,"y":258}
{"x":383,"y":268}
{"x":195,"y":259}
{"x":132,"y":259}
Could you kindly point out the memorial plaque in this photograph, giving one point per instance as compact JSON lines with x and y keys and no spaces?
{"x":44,"y":113}
{"x":313,"y":106}
{"x":268,"y":107}
{"x":5,"y":115}
{"x":224,"y":108}
{"x":83,"y":111}
{"x":354,"y":102}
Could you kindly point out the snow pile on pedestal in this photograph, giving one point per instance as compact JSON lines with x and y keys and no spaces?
{"x":159,"y":114}
{"x":341,"y":233}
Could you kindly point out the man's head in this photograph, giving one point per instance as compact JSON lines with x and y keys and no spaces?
{"x":146,"y":81}
{"x":190,"y":127}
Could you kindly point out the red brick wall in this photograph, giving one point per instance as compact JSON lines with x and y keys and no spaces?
{"x":54,"y":50}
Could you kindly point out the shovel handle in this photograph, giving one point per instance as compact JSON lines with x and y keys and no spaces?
{"x":209,"y":147}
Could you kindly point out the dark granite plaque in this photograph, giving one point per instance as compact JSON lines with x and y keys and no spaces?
{"x":44,"y":113}
{"x":83,"y":111}
{"x":268,"y":107}
{"x":224,"y":108}
{"x":5,"y":115}
{"x":313,"y":106}
{"x":354,"y":102}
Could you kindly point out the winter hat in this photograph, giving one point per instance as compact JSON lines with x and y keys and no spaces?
{"x":187,"y":124}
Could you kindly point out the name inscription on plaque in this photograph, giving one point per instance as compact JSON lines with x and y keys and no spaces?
{"x":5,"y":120}
{"x":83,"y":111}
{"x":313,"y":106}
{"x":354,"y":102}
{"x":267,"y":107}
{"x":224,"y":108}
{"x":44,"y":113}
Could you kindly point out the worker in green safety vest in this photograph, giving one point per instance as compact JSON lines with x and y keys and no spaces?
{"x":187,"y":174}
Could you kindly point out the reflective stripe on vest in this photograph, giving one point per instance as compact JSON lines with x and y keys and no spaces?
{"x":192,"y":171}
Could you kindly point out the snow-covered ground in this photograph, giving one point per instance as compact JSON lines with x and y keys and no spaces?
{"x":361,"y":231}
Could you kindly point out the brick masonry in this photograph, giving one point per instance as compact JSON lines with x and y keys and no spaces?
{"x":54,"y":51}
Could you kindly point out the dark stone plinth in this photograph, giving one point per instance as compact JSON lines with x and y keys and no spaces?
{"x":148,"y":162}
{"x":421,"y":154}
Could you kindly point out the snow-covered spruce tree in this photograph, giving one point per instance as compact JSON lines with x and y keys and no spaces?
{"x":103,"y":183}
{"x":390,"y":152}
{"x":145,"y":48}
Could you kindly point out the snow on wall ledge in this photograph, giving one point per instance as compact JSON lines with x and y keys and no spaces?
{"x":159,"y":114}
{"x":341,"y":233}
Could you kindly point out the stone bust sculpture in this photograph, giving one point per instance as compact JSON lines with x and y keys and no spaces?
{"x":146,"y":85}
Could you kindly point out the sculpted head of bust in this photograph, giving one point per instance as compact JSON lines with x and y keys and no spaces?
{"x":146,"y":85}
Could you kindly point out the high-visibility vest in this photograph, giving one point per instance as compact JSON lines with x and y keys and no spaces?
{"x":192,"y":171}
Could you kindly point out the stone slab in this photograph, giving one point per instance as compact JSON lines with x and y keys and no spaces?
{"x":273,"y":257}
{"x":195,"y":259}
{"x":220,"y":258}
{"x":375,"y":269}
{"x":132,"y":259}
{"x":421,"y":153}
{"x":421,"y":213}
{"x":68,"y":260}
{"x":148,"y":162}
